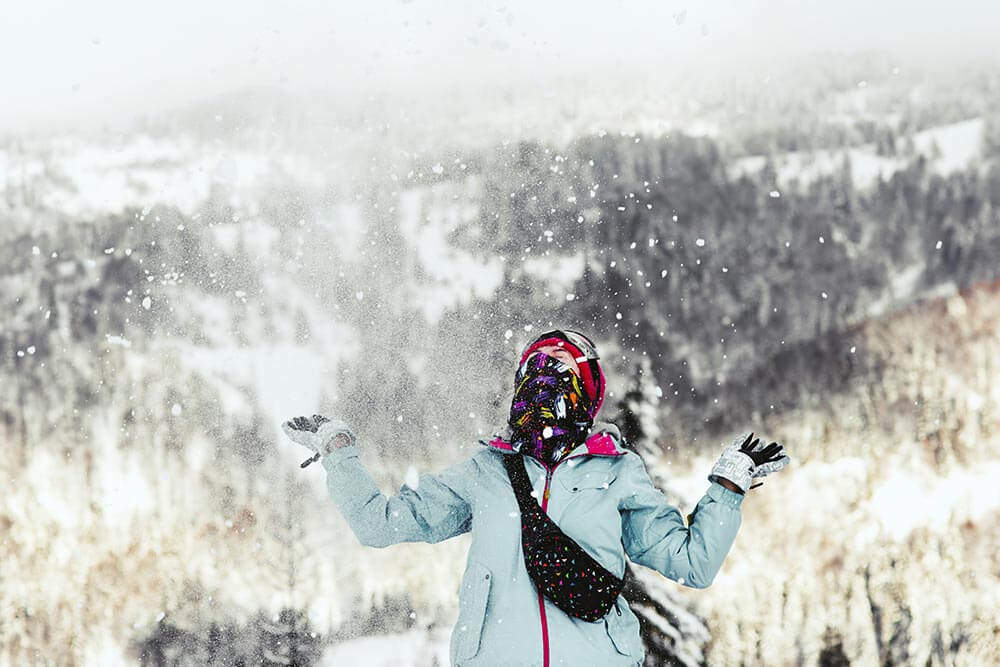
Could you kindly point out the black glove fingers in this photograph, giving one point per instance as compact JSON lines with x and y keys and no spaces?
{"x":772,"y":453}
{"x":770,"y":449}
{"x":303,"y":423}
{"x":760,"y":453}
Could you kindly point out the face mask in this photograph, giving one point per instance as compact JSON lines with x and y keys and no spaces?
{"x":549,"y":414}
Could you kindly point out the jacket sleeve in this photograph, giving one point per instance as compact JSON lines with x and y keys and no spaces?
{"x":654,"y":533}
{"x":434,"y":511}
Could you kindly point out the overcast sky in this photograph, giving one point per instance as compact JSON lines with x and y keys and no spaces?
{"x":61,"y":61}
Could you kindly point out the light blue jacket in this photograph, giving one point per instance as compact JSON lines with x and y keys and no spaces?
{"x":600,"y":495}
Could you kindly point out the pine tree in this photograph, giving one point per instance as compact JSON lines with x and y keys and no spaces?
{"x":288,"y":640}
{"x":638,"y":411}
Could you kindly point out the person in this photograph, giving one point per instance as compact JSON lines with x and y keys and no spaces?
{"x":585,"y":480}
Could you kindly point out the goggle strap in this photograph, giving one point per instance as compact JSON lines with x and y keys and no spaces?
{"x":576,"y":339}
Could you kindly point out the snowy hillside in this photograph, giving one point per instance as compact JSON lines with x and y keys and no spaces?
{"x":947,"y":148}
{"x":174,"y":293}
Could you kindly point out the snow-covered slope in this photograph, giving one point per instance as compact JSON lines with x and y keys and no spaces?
{"x":947,"y":148}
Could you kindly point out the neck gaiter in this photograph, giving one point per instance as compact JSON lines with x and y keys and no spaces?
{"x":548,"y":416}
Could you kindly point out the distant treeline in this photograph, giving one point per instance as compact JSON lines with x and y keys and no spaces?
{"x":714,"y":276}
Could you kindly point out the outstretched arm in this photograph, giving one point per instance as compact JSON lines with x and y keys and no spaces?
{"x":434,"y":511}
{"x":654,"y":533}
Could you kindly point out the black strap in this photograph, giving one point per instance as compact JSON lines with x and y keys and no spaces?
{"x":514,"y":463}
{"x":560,"y":568}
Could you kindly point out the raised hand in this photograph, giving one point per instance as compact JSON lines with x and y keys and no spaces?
{"x":746,"y":459}
{"x":319,"y":434}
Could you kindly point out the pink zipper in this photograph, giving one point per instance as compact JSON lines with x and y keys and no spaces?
{"x":541,"y":598}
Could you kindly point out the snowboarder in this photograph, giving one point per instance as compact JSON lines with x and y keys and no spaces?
{"x":555,"y":504}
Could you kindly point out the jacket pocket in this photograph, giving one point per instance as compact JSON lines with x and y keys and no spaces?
{"x":472,"y":609}
{"x":588,"y":480}
{"x":617,"y":630}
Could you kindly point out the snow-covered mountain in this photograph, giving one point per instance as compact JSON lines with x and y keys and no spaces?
{"x":173,"y":294}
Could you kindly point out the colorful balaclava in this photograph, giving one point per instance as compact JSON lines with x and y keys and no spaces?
{"x":550,"y":413}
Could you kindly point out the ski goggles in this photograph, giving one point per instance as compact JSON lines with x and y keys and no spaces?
{"x":577,"y":340}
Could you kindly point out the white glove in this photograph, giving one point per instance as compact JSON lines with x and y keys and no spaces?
{"x":743,"y":460}
{"x":319,"y":434}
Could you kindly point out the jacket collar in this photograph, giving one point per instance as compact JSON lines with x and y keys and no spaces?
{"x":604,"y":440}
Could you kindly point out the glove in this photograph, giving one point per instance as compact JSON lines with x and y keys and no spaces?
{"x":743,"y":460}
{"x":318,"y":434}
